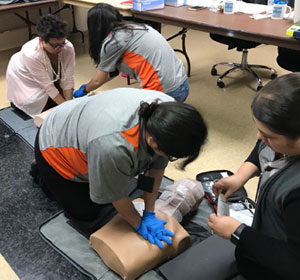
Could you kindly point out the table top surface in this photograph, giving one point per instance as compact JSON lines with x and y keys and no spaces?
{"x":26,"y":5}
{"x":90,"y":3}
{"x":239,"y":25}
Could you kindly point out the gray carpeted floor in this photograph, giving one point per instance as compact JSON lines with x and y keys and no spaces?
{"x":23,"y":208}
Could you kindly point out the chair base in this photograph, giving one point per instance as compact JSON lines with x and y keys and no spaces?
{"x":242,"y":66}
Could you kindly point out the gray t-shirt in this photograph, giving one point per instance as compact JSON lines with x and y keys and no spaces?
{"x":144,"y":55}
{"x":98,"y":140}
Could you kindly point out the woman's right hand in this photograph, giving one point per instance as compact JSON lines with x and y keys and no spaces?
{"x":153,"y":229}
{"x":227,"y":186}
{"x":80,"y":92}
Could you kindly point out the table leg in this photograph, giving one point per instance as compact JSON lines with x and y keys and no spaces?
{"x":183,"y":32}
{"x":75,"y":30}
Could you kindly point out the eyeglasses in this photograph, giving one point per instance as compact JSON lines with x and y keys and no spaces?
{"x":58,"y":45}
{"x":171,"y":158}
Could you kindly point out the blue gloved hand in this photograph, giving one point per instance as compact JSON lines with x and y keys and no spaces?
{"x":79,"y":92}
{"x":153,"y":229}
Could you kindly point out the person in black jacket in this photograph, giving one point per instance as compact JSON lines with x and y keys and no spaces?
{"x":270,"y":248}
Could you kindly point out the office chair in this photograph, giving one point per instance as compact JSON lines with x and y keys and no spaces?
{"x":241,"y":46}
{"x":288,"y":59}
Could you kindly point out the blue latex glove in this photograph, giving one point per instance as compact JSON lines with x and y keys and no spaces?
{"x":153,"y":229}
{"x":79,"y":92}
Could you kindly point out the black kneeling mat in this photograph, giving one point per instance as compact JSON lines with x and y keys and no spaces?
{"x":70,"y":239}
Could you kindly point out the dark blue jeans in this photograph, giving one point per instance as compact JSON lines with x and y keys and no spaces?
{"x":181,"y":93}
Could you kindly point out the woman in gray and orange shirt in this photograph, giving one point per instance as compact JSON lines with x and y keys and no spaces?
{"x":105,"y":140}
{"x":135,"y":49}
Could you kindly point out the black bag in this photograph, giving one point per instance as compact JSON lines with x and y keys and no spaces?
{"x":207,"y":180}
{"x":212,"y":258}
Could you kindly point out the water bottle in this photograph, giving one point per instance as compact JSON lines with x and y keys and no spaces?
{"x":297,"y":11}
{"x":238,"y":4}
{"x":270,"y":6}
{"x":214,"y":7}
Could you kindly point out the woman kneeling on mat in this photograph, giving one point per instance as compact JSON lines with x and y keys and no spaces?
{"x":41,"y":74}
{"x":105,"y":140}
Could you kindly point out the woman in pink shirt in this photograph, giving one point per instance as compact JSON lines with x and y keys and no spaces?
{"x":41,"y":74}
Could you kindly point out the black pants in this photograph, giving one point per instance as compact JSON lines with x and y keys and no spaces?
{"x":74,"y":197}
{"x":250,"y":268}
{"x":50,"y":104}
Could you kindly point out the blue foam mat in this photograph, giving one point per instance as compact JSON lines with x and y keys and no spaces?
{"x":25,"y":129}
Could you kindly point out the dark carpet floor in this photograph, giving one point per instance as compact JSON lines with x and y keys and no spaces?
{"x":23,"y":208}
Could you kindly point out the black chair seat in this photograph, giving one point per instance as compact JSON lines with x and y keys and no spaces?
{"x":288,"y":59}
{"x":232,"y":42}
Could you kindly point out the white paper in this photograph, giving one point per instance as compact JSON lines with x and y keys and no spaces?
{"x":261,"y":16}
{"x":139,"y":206}
{"x":250,"y":8}
{"x":240,"y":216}
{"x":224,"y":174}
{"x":247,"y":8}
{"x":202,"y":3}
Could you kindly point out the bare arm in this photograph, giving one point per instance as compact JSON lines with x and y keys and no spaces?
{"x":229,"y":185}
{"x":68,"y":94}
{"x":58,"y":99}
{"x":247,"y":171}
{"x":98,"y":80}
{"x":39,"y":118}
{"x":127,"y":210}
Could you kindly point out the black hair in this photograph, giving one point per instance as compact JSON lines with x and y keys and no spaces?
{"x":102,"y":20}
{"x":51,"y":26}
{"x":177,"y":128}
{"x":277,"y":105}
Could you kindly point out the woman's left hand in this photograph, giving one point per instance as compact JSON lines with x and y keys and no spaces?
{"x":223,"y":226}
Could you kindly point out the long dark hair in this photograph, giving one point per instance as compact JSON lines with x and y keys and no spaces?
{"x":102,"y":20}
{"x":177,"y":128}
{"x":277,"y":105}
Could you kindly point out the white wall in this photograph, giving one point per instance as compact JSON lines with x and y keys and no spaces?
{"x":81,"y":18}
{"x":13,"y":38}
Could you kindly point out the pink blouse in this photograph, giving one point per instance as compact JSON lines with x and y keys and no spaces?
{"x":30,"y":81}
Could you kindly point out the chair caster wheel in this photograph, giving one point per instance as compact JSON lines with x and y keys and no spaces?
{"x":259,"y":87}
{"x":213,"y":72}
{"x":220,"y":84}
{"x":273,"y":76}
